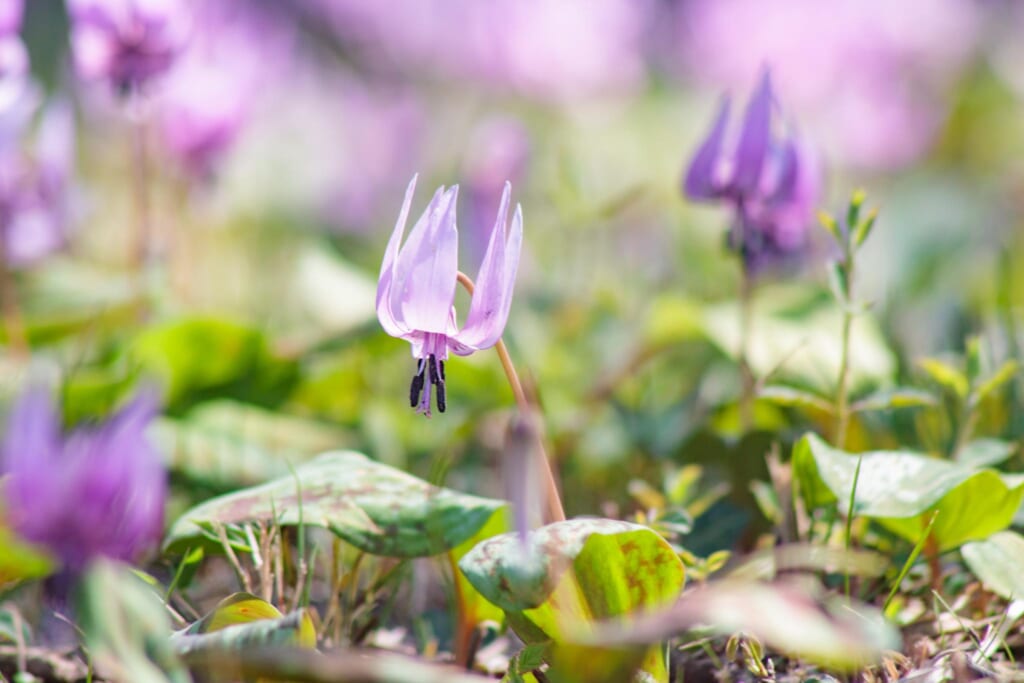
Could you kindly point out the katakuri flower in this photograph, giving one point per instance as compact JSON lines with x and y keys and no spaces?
{"x":771,"y":181}
{"x":97,"y":491}
{"x":128,"y":42}
{"x":416,"y":291}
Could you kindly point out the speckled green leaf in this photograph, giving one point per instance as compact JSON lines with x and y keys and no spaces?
{"x":997,"y":562}
{"x":572,"y":573}
{"x":901,"y":490}
{"x":378,"y":509}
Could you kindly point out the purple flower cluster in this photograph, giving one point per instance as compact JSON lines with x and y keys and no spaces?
{"x":416,"y":291}
{"x":98,"y":491}
{"x":771,"y":181}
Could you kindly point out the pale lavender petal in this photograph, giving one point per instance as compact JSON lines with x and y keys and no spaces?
{"x":392,"y":325}
{"x":492,"y":299}
{"x":754,"y":140}
{"x":425,"y":273}
{"x":700,"y":182}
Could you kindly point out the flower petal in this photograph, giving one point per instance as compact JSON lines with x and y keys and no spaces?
{"x":488,"y":310}
{"x":392,"y":325}
{"x":32,"y":442}
{"x":754,"y":140}
{"x":700,"y":181}
{"x":423,"y":287}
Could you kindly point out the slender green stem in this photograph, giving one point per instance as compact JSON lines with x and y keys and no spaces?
{"x":849,"y":520}
{"x":556,"y":513}
{"x":842,"y":388}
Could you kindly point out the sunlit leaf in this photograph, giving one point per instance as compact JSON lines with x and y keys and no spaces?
{"x":570,"y":573}
{"x":20,"y":561}
{"x":900,"y":490}
{"x":945,"y":375}
{"x":997,"y":562}
{"x":796,"y":398}
{"x":889,"y":399}
{"x":376,"y":508}
{"x":985,"y":452}
{"x":1006,"y":372}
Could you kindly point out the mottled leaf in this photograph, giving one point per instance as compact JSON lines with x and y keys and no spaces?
{"x":900,"y":490}
{"x":379,"y":509}
{"x":570,"y":573}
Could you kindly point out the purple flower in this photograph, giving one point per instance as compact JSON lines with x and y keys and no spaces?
{"x":772,"y":182}
{"x":35,"y":190}
{"x":10,"y":16}
{"x":417,"y":289}
{"x":19,"y":96}
{"x":128,"y":42}
{"x":97,"y":491}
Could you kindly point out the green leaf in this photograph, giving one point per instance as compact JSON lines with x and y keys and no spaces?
{"x":900,"y":489}
{"x":571,"y":573}
{"x":202,"y":354}
{"x":832,"y":632}
{"x":474,"y":607}
{"x":985,"y":452}
{"x":1006,"y":372}
{"x":997,"y":562}
{"x":242,"y":621}
{"x":226,"y":444}
{"x":795,"y":398}
{"x":897,"y":397}
{"x":945,"y":375}
{"x":378,"y":509}
{"x":125,"y":626}
{"x":20,"y":561}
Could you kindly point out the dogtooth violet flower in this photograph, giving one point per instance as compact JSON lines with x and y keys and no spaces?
{"x":771,"y":181}
{"x":128,"y":42}
{"x":98,"y":491}
{"x":416,"y":291}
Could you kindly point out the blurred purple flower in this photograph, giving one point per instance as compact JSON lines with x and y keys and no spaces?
{"x":35,"y":190}
{"x":128,"y":42}
{"x":97,"y":491}
{"x":550,"y":50}
{"x":10,"y":16}
{"x":871,"y":76}
{"x":771,"y":182}
{"x":416,"y":291}
{"x":498,"y":153}
{"x":19,"y":96}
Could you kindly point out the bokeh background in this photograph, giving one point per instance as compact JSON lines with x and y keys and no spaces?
{"x":281,"y":140}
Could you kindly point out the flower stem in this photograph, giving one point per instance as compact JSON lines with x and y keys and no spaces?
{"x":842,"y":388}
{"x":556,"y":512}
